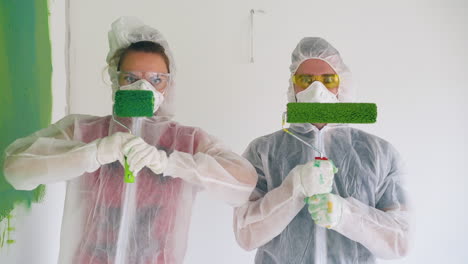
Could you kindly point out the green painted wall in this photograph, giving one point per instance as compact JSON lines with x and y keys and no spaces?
{"x":25,"y":90}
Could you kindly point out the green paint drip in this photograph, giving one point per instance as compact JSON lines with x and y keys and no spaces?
{"x":5,"y":235}
{"x":25,"y":86}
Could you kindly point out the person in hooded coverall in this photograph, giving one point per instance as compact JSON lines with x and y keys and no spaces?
{"x":351,"y":208}
{"x":106,"y":220}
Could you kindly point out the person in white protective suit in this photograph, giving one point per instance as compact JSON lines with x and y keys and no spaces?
{"x":106,"y":220}
{"x":351,"y":208}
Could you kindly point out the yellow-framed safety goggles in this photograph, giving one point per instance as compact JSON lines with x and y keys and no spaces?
{"x":330,"y":81}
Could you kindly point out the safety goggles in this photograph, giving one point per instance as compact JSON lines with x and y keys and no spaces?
{"x":157,"y":79}
{"x":330,"y":81}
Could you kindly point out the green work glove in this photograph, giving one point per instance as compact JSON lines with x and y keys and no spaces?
{"x":325,"y":209}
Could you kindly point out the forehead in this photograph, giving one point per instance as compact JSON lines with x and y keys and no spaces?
{"x":315,"y":67}
{"x":143,"y":61}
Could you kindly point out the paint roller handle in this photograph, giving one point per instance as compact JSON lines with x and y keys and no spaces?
{"x":128,"y":177}
{"x":335,"y":169}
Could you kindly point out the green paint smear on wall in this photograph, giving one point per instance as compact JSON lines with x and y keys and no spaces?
{"x":25,"y":89}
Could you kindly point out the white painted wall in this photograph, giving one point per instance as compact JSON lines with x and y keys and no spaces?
{"x":409,"y":57}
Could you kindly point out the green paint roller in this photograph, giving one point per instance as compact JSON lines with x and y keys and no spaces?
{"x":132,"y":103}
{"x":355,"y":113}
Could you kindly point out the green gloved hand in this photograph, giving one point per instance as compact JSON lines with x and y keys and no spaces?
{"x":325,"y":209}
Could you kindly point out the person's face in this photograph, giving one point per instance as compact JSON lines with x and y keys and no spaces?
{"x":314,"y":67}
{"x":143,"y":62}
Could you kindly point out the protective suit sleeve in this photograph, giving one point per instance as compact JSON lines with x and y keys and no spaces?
{"x":383,"y":230}
{"x":215,"y":169}
{"x":259,"y":221}
{"x":48,"y":156}
{"x":384,"y":233}
{"x":267,"y":213}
